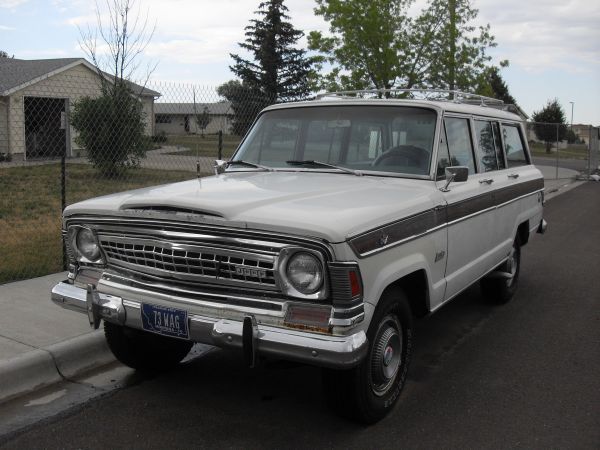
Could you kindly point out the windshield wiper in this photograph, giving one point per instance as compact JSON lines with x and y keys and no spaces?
{"x":239,"y":162}
{"x":311,"y":162}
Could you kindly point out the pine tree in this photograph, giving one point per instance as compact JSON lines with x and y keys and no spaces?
{"x":279,"y":71}
{"x":550,"y":123}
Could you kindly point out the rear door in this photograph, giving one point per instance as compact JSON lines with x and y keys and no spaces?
{"x":517,"y":199}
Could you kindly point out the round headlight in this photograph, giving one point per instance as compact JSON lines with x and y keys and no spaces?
{"x":305,"y":273}
{"x":87,"y":244}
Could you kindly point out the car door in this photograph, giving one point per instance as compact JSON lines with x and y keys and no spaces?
{"x":470,"y":210}
{"x":518,"y":186}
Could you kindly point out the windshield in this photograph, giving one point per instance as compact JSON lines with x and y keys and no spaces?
{"x":394,"y":139}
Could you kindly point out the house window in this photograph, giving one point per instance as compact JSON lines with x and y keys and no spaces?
{"x":162,"y":118}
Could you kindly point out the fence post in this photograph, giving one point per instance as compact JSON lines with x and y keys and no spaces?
{"x":557,"y":125}
{"x":220,"y":154}
{"x":63,"y":200}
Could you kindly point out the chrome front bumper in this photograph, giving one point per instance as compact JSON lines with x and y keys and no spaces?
{"x":311,"y":348}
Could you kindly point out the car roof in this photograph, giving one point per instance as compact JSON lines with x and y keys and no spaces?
{"x":439,"y":105}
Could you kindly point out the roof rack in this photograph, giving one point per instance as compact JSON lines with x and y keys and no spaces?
{"x":423,"y":94}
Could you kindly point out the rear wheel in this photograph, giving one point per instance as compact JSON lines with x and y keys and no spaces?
{"x":368,"y":392}
{"x":500,"y":285}
{"x":145,"y":351}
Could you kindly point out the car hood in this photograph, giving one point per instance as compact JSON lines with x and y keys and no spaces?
{"x":331,"y":206}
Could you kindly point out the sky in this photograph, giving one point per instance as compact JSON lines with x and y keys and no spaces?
{"x":553,"y":45}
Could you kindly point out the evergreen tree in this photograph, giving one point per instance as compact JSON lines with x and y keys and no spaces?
{"x":493,"y":85}
{"x":550,"y":123}
{"x":279,"y":71}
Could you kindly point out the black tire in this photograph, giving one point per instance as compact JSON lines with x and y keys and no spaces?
{"x":368,"y":392}
{"x":145,"y":351}
{"x":501,"y":290}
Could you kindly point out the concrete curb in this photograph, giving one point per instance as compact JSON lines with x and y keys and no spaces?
{"x":45,"y":366}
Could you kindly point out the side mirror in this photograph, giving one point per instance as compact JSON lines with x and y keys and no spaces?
{"x":455,"y":173}
{"x":220,"y":166}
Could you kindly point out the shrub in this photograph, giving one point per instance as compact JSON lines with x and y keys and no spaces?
{"x":111,"y":129}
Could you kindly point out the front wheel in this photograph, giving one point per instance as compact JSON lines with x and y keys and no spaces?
{"x":145,"y":351}
{"x":500,"y":285}
{"x":368,"y":392}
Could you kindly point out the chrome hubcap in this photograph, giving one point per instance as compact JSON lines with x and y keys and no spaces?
{"x":386,"y":356}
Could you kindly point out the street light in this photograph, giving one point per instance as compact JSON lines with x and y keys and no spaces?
{"x":572,"y":106}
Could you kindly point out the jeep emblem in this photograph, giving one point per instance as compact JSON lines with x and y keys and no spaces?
{"x":247,"y":272}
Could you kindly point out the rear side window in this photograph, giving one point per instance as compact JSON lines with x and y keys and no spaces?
{"x":459,"y":143}
{"x":513,"y":146}
{"x":486,"y":148}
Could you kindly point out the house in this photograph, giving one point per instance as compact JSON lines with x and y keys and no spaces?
{"x":35,"y":98}
{"x":583,"y":132}
{"x":186,"y":118}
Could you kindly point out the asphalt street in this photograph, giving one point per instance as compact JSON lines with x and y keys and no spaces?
{"x":522,"y":375}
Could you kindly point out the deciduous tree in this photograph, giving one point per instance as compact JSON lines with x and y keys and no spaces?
{"x":375,"y":44}
{"x":111,"y":127}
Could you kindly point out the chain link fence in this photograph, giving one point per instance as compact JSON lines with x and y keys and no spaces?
{"x":63,"y":139}
{"x":570,"y":147}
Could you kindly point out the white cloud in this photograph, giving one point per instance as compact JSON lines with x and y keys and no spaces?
{"x":549,"y":34}
{"x":5,"y":28}
{"x":11,"y":3}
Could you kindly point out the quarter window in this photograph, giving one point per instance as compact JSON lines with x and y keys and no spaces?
{"x":498,"y":145}
{"x":486,"y":151}
{"x":513,"y":146}
{"x":459,"y":143}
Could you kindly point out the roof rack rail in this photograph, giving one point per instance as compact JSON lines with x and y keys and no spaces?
{"x":424,"y":94}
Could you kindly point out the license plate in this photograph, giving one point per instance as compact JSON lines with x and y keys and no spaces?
{"x":164,"y":320}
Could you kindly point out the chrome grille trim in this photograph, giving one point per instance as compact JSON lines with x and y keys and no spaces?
{"x":190,"y":262}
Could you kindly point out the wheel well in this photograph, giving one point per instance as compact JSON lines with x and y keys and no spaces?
{"x":523,"y":233}
{"x":415,"y":286}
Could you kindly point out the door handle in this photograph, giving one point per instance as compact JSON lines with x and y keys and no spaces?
{"x":514,"y":176}
{"x":486,"y":181}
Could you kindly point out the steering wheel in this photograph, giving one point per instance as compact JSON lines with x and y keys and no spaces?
{"x":416,"y":156}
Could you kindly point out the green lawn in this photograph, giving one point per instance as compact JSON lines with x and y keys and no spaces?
{"x":538,"y":149}
{"x":30,"y":211}
{"x":208,"y":145}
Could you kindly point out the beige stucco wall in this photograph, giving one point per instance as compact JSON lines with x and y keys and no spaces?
{"x":3,"y":125}
{"x":72,"y":84}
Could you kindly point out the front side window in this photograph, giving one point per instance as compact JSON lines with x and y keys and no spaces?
{"x":459,"y":143}
{"x":392,"y":139}
{"x":513,"y":146}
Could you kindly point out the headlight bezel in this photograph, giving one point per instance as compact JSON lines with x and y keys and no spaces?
{"x":73,"y":233}
{"x":286,"y":255}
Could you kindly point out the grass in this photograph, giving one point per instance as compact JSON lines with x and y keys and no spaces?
{"x":203,"y":146}
{"x":30,"y":211}
{"x":573,"y":152}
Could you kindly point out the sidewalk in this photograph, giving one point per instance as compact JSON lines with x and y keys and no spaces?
{"x":42,"y":344}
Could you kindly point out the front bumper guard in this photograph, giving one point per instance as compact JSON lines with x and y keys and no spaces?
{"x":338,"y":352}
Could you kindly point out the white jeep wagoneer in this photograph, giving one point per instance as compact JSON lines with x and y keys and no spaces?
{"x":335,"y":223}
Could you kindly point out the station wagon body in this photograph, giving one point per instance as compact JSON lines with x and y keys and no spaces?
{"x":335,"y":223}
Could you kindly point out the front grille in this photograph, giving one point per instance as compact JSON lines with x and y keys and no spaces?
{"x":190,"y":262}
